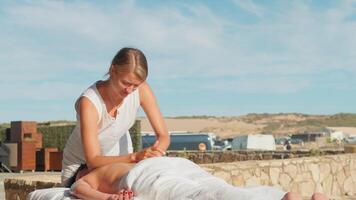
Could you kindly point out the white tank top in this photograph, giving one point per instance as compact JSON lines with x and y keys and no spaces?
{"x":113,"y":135}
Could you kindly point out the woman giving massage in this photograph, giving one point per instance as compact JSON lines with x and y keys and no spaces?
{"x":106,"y":111}
{"x":101,"y":145}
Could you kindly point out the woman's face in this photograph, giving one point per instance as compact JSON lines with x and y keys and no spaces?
{"x":125,"y":83}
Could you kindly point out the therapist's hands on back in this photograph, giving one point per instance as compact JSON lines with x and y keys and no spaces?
{"x":152,"y":151}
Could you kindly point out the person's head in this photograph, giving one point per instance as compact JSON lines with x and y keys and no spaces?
{"x":128,"y":69}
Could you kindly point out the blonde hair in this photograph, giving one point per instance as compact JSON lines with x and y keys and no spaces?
{"x":130,"y":60}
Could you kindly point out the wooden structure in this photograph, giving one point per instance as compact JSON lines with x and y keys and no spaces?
{"x":39,"y":140}
{"x":26,"y":152}
{"x":53,"y":159}
{"x":49,"y":159}
{"x":21,"y":131}
{"x":26,"y":156}
{"x":24,"y":133}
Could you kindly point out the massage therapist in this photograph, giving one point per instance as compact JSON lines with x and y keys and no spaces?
{"x":106,"y":111}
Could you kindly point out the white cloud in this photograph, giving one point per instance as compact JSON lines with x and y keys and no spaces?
{"x":42,"y":91}
{"x":294,"y":41}
{"x":73,"y":19}
{"x":250,"y":6}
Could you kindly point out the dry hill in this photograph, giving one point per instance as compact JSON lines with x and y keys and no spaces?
{"x":277,"y":124}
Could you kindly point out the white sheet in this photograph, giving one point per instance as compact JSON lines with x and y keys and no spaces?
{"x":179,"y":179}
{"x":59,"y":193}
{"x":167,"y":178}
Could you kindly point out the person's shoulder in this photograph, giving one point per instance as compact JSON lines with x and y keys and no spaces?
{"x":145,"y":91}
{"x":87,"y":108}
{"x":85,"y":102}
{"x":143,"y":86}
{"x":90,"y":98}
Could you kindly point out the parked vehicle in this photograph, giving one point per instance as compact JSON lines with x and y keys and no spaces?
{"x":281,"y":140}
{"x":185,"y":141}
{"x":351,"y":139}
{"x":337,"y":136}
{"x":296,"y":141}
{"x":254,"y":142}
{"x":222,"y":144}
{"x":308,"y":136}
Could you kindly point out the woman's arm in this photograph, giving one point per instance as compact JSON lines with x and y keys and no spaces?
{"x":151,"y":108}
{"x":89,"y":132}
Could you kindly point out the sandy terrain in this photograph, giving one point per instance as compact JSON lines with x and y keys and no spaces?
{"x":347,"y":130}
{"x":33,"y":176}
{"x":222,"y":128}
{"x":225,"y":127}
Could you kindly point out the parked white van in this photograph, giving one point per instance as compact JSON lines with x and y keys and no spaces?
{"x":254,"y":142}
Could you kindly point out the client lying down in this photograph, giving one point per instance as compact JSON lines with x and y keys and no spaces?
{"x":170,"y":179}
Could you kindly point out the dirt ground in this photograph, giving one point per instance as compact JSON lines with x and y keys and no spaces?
{"x":225,"y":127}
{"x":48,"y":176}
{"x":222,"y":128}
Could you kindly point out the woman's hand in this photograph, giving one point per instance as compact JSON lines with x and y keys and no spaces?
{"x":149,"y":152}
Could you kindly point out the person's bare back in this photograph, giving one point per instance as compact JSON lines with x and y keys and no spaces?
{"x":102,"y":182}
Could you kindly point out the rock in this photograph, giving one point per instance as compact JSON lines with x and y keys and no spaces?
{"x":238,"y":180}
{"x":291,"y":170}
{"x":224,"y":175}
{"x":307,"y":188}
{"x":253,"y":181}
{"x":274,"y":175}
{"x":284,"y":181}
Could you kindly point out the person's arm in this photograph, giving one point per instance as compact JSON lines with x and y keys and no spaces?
{"x":89,"y":132}
{"x":151,"y":108}
{"x":84,"y":191}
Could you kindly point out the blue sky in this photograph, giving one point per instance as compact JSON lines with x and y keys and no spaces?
{"x":228,"y":57}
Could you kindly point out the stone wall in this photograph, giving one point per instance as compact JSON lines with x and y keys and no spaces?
{"x":244,"y":155}
{"x":334,"y":175}
{"x":18,"y":188}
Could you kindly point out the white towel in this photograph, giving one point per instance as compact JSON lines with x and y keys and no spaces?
{"x":178,"y":179}
{"x":60,"y":193}
{"x":167,"y":178}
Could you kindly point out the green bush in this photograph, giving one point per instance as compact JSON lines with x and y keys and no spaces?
{"x":56,"y":136}
{"x":316,"y":152}
{"x":342,"y":119}
{"x":329,"y":140}
{"x":2,"y":134}
{"x":135,"y":133}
